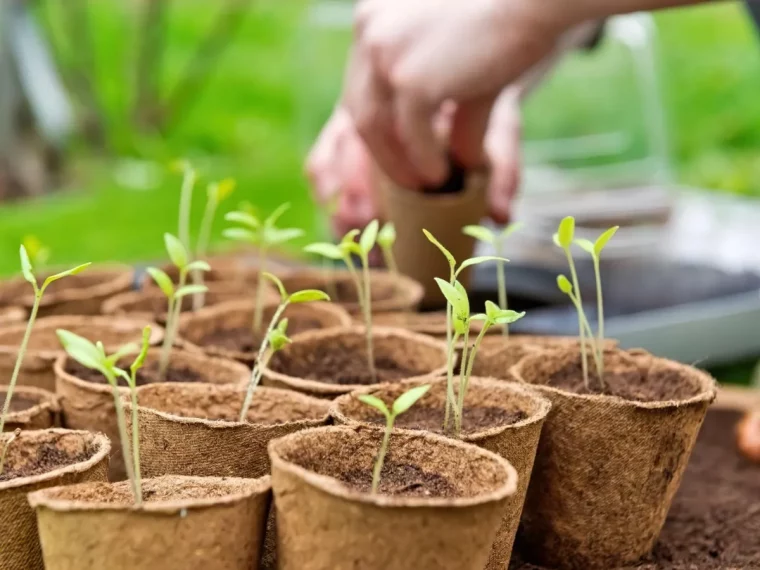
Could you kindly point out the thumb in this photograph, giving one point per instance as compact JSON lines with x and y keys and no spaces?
{"x":468,"y":131}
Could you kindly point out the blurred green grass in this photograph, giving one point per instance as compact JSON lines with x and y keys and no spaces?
{"x":276,"y":84}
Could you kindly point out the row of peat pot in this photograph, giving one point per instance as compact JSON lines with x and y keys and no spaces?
{"x":587,"y":479}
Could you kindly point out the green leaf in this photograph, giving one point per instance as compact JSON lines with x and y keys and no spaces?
{"x":602,"y":240}
{"x":244,"y":218}
{"x":509,"y":230}
{"x":566,"y":232}
{"x":62,"y":274}
{"x":387,"y":235}
{"x":586,"y":246}
{"x":81,"y":349}
{"x":479,"y":317}
{"x":450,"y":292}
{"x":224,"y":188}
{"x":369,"y":237}
{"x":240,"y":234}
{"x":140,"y":360}
{"x":309,"y":295}
{"x":555,"y":239}
{"x":26,"y":266}
{"x":408,"y":399}
{"x":480,"y":233}
{"x":465,"y":303}
{"x":276,"y":280}
{"x":476,"y":260}
{"x":506,"y":317}
{"x":123,"y":351}
{"x":276,"y":215}
{"x":163,"y":281}
{"x":276,"y":236}
{"x":177,"y":252}
{"x":350,"y":247}
{"x":564,"y":285}
{"x":328,"y":250}
{"x":190,"y":290}
{"x":278,"y":340}
{"x":376,"y":403}
{"x":444,"y":251}
{"x":492,"y":310}
{"x":282,"y":326}
{"x":198,"y":265}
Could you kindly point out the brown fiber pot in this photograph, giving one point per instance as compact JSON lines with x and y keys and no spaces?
{"x":388,"y":293}
{"x":80,"y":294}
{"x":184,"y":523}
{"x":31,"y":408}
{"x":607,"y":467}
{"x":516,"y":442}
{"x":291,"y":368}
{"x":44,"y":346}
{"x":10,"y":315}
{"x":443,"y":215}
{"x":89,"y":405}
{"x":322,"y":523}
{"x":196,"y":327}
{"x":87,"y":460}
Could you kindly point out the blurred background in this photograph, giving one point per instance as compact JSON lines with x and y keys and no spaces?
{"x":98,"y":99}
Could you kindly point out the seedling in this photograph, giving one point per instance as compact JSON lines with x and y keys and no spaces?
{"x":496,"y":239}
{"x":344,"y":252}
{"x":457,"y":298}
{"x":39,"y":291}
{"x":276,"y":334}
{"x":263,"y":235}
{"x":454,"y":272}
{"x":385,"y":239}
{"x":179,"y":257}
{"x":216,"y":192}
{"x":401,"y":405}
{"x":39,"y":253}
{"x":94,"y":356}
{"x":189,"y":177}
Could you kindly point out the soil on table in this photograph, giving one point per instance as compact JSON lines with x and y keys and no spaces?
{"x":146,"y":375}
{"x":19,"y":403}
{"x":714,"y":522}
{"x":401,"y":480}
{"x":475,"y":419}
{"x":43,"y":458}
{"x":243,"y":339}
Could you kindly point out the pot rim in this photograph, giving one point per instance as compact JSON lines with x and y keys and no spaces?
{"x":104,"y":449}
{"x":332,"y":486}
{"x":46,"y":401}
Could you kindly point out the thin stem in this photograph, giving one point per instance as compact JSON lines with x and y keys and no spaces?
{"x":136,"y":438}
{"x":257,"y":368}
{"x":20,"y":357}
{"x":204,"y":237}
{"x":473,"y":353}
{"x":462,"y":376}
{"x":579,"y":307}
{"x":121,"y":422}
{"x":171,"y":329}
{"x":390,"y":261}
{"x":330,"y":287}
{"x":360,"y":293}
{"x":368,"y":318}
{"x":381,"y":455}
{"x":597,"y":356}
{"x":450,"y":395}
{"x":185,"y":202}
{"x":502,"y":286}
{"x":7,"y":445}
{"x":599,"y":316}
{"x":258,"y":308}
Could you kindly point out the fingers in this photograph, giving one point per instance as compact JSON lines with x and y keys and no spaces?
{"x":415,"y":125}
{"x":469,"y":126}
{"x":503,"y":149}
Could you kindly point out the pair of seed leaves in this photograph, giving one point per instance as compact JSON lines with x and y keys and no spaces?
{"x":181,"y":260}
{"x":28,"y":272}
{"x":400,"y":405}
{"x":348,"y":245}
{"x":257,"y":232}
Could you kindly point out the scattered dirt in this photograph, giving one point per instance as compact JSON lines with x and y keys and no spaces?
{"x":475,"y":419}
{"x":402,"y":480}
{"x":46,"y":457}
{"x":19,"y":403}
{"x":242,"y":339}
{"x":147,"y":375}
{"x":714,"y":521}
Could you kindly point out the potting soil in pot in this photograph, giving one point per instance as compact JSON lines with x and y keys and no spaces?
{"x":19,"y":403}
{"x":243,"y":339}
{"x":714,"y":522}
{"x":43,"y":458}
{"x":401,"y":480}
{"x":474,"y":419}
{"x":146,"y":375}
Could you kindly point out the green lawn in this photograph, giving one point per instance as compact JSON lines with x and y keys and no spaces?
{"x":275,"y":86}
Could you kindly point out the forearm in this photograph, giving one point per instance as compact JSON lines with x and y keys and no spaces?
{"x":598,"y":9}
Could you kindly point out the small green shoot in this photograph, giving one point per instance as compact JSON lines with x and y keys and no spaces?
{"x":263,"y":235}
{"x":276,"y":334}
{"x":385,"y":239}
{"x":344,"y":252}
{"x":496,"y":239}
{"x":189,"y":177}
{"x":39,"y":253}
{"x":401,"y":405}
{"x":175,"y":295}
{"x":39,"y":291}
{"x":94,"y":356}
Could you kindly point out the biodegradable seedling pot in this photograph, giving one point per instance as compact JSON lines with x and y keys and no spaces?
{"x":502,"y":417}
{"x":44,"y":346}
{"x":225,"y":330}
{"x":10,"y":315}
{"x":388,"y":292}
{"x":80,"y":294}
{"x":87,"y":399}
{"x":608,"y":464}
{"x":185,"y":522}
{"x":37,"y":460}
{"x":332,"y":362}
{"x":31,"y":408}
{"x":442,"y":214}
{"x":439,"y":506}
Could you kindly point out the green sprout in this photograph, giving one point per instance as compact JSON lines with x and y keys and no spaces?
{"x":400,"y":405}
{"x":189,"y":177}
{"x":385,"y":239}
{"x":94,"y":356}
{"x":39,"y":253}
{"x":276,"y":334}
{"x":343,"y":252}
{"x":263,"y":235}
{"x":180,"y":259}
{"x":454,"y":272}
{"x":496,"y":239}
{"x":456,"y":295}
{"x":216,"y":192}
{"x":39,"y":291}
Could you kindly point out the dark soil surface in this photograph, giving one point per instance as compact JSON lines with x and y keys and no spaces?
{"x":19,"y":403}
{"x":48,"y":457}
{"x":475,"y":419}
{"x":714,"y":522}
{"x":146,"y":375}
{"x":242,"y":339}
{"x":402,"y":480}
